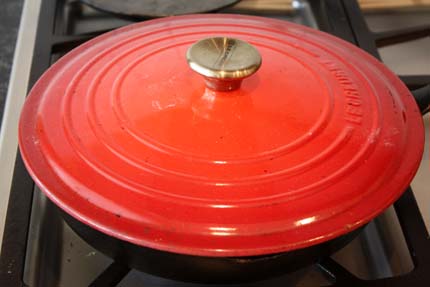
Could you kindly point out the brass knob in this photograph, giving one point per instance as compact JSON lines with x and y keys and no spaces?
{"x":223,"y":62}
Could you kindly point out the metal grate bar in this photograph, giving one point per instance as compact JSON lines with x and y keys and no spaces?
{"x":387,"y":38}
{"x":111,"y":276}
{"x":415,"y":81}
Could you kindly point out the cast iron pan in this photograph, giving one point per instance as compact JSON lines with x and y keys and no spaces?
{"x":200,"y":269}
{"x":75,"y":168}
{"x":157,"y":8}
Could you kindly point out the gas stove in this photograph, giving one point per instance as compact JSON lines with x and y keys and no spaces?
{"x":39,"y":249}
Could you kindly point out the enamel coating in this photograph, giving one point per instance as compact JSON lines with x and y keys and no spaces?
{"x":124,"y":136}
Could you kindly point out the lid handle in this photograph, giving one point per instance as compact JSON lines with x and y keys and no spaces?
{"x":223,"y":62}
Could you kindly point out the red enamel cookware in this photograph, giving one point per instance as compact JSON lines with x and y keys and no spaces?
{"x":218,"y":138}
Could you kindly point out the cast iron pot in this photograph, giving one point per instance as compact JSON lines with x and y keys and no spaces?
{"x":220,"y":148}
{"x":203,"y":269}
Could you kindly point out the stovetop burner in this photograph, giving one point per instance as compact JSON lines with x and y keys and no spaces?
{"x":39,"y":249}
{"x":151,"y":8}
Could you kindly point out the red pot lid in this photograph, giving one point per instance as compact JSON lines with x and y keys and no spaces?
{"x":123,"y":135}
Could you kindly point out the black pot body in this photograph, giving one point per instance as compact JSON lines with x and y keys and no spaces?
{"x":199,"y":269}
